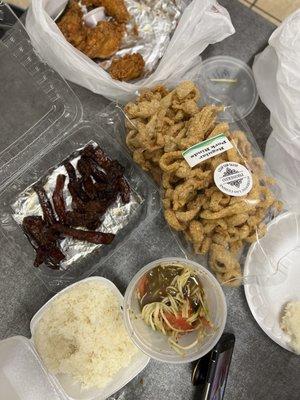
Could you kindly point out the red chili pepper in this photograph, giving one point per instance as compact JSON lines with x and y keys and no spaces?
{"x":142,"y":286}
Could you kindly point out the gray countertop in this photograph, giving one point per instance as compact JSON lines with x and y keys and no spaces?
{"x":260,"y":369}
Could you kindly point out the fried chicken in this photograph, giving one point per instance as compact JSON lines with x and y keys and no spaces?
{"x":72,"y":27}
{"x":104,"y":40}
{"x":114,"y":8}
{"x":126,"y":68}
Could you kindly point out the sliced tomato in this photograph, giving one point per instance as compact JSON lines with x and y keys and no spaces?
{"x":205,"y":322}
{"x":142,"y":285}
{"x":178,"y":322}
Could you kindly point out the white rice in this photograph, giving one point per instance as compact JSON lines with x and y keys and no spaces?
{"x":290,"y":323}
{"x":82,"y":334}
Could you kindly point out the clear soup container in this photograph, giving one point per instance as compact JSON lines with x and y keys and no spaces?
{"x":155,"y":344}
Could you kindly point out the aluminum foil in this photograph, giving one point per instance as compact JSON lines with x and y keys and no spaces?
{"x":116,"y":217}
{"x":155,"y":21}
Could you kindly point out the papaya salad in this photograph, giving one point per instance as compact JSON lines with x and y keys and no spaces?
{"x":173,"y":302}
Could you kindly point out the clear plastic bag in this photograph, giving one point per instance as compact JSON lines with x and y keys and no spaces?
{"x":220,"y":203}
{"x":277,"y":75}
{"x":202,"y":23}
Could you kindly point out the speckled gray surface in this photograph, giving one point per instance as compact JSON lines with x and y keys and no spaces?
{"x":260,"y":370}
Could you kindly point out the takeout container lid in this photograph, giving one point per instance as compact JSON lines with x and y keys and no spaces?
{"x":38,"y":110}
{"x":155,"y":344}
{"x":24,"y":376}
{"x":274,"y":262}
{"x":228,"y":81}
{"x":41,"y":120}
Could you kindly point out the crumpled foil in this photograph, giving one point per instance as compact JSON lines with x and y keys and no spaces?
{"x":115,"y":218}
{"x":155,"y":21}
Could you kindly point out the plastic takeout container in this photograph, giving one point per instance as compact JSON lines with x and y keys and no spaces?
{"x":23,"y":375}
{"x":41,"y":121}
{"x":228,"y":81}
{"x":155,"y":344}
{"x":277,"y":255}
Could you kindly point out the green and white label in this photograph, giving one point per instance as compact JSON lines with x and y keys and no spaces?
{"x":208,"y":148}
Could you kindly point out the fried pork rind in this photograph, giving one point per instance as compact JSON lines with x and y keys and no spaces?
{"x":160,"y":125}
{"x":225,"y":265}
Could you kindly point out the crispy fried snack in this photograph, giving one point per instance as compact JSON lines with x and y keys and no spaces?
{"x":72,"y":27}
{"x":104,"y":40}
{"x":126,"y":68}
{"x":114,"y":8}
{"x":160,"y":125}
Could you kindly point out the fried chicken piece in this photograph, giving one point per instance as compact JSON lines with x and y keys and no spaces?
{"x":114,"y":8}
{"x":72,"y":27}
{"x":104,"y":40}
{"x":126,"y":68}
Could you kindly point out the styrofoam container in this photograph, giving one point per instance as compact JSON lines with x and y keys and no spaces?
{"x":23,"y":375}
{"x":273,"y":262}
{"x":155,"y":344}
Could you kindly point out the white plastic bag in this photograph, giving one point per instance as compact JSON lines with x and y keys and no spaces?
{"x":277,"y":74}
{"x":203,"y":22}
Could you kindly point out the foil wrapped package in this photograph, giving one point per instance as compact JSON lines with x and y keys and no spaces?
{"x":116,"y":217}
{"x":149,"y":31}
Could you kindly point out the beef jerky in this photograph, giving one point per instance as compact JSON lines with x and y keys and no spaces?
{"x":89,"y":187}
{"x":58,"y":198}
{"x":88,"y":236}
{"x":71,"y":171}
{"x":50,"y":254}
{"x":97,"y":155}
{"x":45,"y":203}
{"x":124,"y":190}
{"x":88,"y":220}
{"x":43,"y":239}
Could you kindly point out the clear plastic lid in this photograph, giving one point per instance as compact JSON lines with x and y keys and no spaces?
{"x":39,"y":106}
{"x":228,"y":81}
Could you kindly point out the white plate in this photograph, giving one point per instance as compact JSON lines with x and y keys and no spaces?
{"x":272,"y":275}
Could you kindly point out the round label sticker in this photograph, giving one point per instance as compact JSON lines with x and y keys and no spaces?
{"x":233,"y":179}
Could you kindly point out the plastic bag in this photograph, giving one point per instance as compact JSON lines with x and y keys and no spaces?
{"x":203,"y":22}
{"x":277,"y":74}
{"x":216,"y":190}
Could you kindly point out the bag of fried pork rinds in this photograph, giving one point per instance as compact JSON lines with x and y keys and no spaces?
{"x":216,"y":189}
